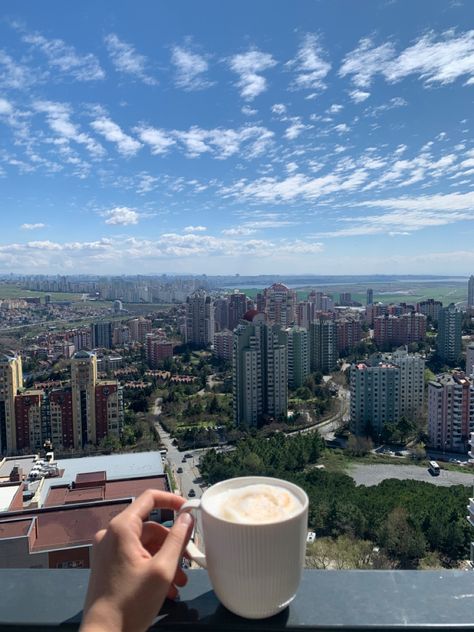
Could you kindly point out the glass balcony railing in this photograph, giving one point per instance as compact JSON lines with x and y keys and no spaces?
{"x":37,"y":599}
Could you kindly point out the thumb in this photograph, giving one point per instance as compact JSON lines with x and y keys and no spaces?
{"x":173,"y":547}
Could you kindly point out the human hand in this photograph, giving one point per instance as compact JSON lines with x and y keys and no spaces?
{"x":135,"y":566}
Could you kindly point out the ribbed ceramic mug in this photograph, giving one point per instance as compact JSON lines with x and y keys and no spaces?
{"x":255,"y":569}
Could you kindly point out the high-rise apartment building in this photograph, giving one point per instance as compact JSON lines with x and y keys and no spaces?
{"x":448,"y":341}
{"x":82,"y":339}
{"x":298,"y":356}
{"x":370,"y":296}
{"x":83,"y":382}
{"x":345,"y":298}
{"x":394,"y":331}
{"x":430,"y":308}
{"x":412,"y":381}
{"x":322,"y":302}
{"x":470,"y":360}
{"x":375,"y":397}
{"x":139,"y":329}
{"x":11,"y":380}
{"x":199,"y":319}
{"x":223,"y":344}
{"x":450,"y":411}
{"x":101,"y":335}
{"x":157,"y":350}
{"x":348,"y":334}
{"x":221,"y":314}
{"x":323,"y":345}
{"x":237,"y":309}
{"x":280,"y":304}
{"x":470,"y":292}
{"x":260,"y":371}
{"x":304,"y":314}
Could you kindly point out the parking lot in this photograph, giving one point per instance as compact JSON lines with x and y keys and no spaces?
{"x":374,"y":474}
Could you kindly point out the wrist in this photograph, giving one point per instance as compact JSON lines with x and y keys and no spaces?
{"x":101,"y":617}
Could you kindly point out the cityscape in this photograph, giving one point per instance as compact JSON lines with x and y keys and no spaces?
{"x":237,"y":241}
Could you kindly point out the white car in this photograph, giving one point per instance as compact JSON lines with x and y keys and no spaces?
{"x":311,"y":537}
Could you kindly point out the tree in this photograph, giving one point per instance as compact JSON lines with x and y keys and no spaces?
{"x":359,"y":446}
{"x":402,"y":539}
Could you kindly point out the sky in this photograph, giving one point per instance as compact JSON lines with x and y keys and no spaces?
{"x":251,"y":137}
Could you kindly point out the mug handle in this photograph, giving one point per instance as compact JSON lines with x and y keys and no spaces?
{"x":191,"y":549}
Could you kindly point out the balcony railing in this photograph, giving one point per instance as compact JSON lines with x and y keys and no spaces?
{"x":36,"y":599}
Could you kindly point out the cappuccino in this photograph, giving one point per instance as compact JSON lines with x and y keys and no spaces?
{"x":254,"y":504}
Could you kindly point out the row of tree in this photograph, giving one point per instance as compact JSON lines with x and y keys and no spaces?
{"x":409,"y":519}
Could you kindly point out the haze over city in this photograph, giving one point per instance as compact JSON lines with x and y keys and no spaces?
{"x":259,"y":138}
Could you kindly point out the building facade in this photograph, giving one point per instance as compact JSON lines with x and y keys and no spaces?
{"x":375,"y":397}
{"x":394,"y":331}
{"x":260,"y":371}
{"x":470,"y":292}
{"x":223,"y":344}
{"x":470,"y":359}
{"x":101,"y":335}
{"x":323,"y":345}
{"x":450,"y":411}
{"x":448,"y":341}
{"x":11,"y":380}
{"x":298,"y":356}
{"x":199,"y":319}
{"x":430,"y":308}
{"x":279,"y":305}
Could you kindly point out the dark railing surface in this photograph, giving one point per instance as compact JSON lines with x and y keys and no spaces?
{"x":39,"y":599}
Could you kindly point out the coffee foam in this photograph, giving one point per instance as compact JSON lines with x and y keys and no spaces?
{"x":254,"y":504}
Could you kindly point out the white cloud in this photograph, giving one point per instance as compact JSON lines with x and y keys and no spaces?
{"x":64,"y":58}
{"x":248,"y":111}
{"x":121,"y":215}
{"x":190,"y":68}
{"x":433,"y":59}
{"x":248,"y":66}
{"x":295,"y":129}
{"x":58,"y":117}
{"x":127,"y":60}
{"x":5,"y":107}
{"x":342,"y":128}
{"x":158,"y":139}
{"x":359,"y":95}
{"x":279,"y":109}
{"x":36,"y":226}
{"x":335,"y":108}
{"x":195,"y":229}
{"x":239,"y":231}
{"x":126,"y":145}
{"x":311,"y":67}
{"x":13,"y":74}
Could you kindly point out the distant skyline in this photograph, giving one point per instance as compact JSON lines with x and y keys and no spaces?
{"x":273,"y":137}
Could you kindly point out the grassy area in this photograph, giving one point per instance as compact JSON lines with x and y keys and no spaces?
{"x":13,"y":291}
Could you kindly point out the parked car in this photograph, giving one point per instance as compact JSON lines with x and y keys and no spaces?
{"x":180,"y":470}
{"x":311,"y":537}
{"x":191,"y":493}
{"x":183,"y":460}
{"x":188,"y":455}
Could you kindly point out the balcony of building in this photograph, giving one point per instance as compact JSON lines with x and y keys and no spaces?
{"x":37,"y":599}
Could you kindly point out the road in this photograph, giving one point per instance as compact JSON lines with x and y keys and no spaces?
{"x":367,"y":474}
{"x":327,"y":428}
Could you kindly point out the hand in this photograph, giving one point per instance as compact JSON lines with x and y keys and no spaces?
{"x":135,"y":566}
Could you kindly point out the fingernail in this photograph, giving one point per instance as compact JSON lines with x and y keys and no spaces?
{"x":185,"y":519}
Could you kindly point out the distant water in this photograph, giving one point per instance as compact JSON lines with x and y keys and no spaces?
{"x":367,"y":283}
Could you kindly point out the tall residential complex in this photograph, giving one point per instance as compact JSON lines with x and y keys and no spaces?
{"x":101,"y":335}
{"x":260,"y":371}
{"x":448,"y":341}
{"x":470,"y":292}
{"x":157,"y":350}
{"x":470,"y":359}
{"x":71,"y":416}
{"x":393,"y":331}
{"x":223,"y":344}
{"x":370,"y":296}
{"x":11,"y":379}
{"x":450,"y":411}
{"x":348,"y":333}
{"x":430,"y":308}
{"x":139,"y":329}
{"x":237,"y":308}
{"x":279,"y":304}
{"x":323,"y":345}
{"x":412,"y":381}
{"x":298,"y":356}
{"x":375,"y":397}
{"x":199,"y":319}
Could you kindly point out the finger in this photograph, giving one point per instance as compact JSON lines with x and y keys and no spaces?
{"x":149,"y":500}
{"x":153,"y":536}
{"x":180,"y":579}
{"x":172,"y":548}
{"x":99,"y":536}
{"x":172,"y":592}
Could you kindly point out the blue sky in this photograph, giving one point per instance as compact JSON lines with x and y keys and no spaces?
{"x":324,"y":137}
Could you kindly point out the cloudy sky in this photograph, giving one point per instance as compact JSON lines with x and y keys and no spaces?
{"x":325,"y":137}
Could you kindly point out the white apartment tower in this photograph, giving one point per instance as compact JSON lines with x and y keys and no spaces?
{"x":11,"y":379}
{"x":260,"y":373}
{"x":470,"y":360}
{"x":298,"y":356}
{"x":280,"y":304}
{"x":412,"y":381}
{"x":199,"y":319}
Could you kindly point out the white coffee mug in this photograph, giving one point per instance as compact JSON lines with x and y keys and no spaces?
{"x":255,"y":569}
